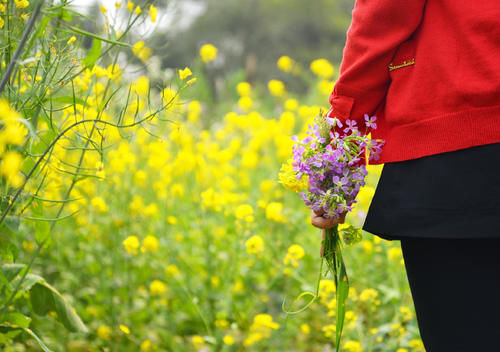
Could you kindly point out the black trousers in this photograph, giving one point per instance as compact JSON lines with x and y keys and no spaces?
{"x":455,"y":284}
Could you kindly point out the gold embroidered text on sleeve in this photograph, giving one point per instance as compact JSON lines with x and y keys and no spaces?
{"x":404,"y":64}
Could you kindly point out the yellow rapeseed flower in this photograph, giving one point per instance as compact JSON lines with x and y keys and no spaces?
{"x":285,"y":63}
{"x":146,"y":345}
{"x":140,"y":178}
{"x":28,"y":246}
{"x":10,"y":167}
{"x":352,"y":346}
{"x":326,"y":288}
{"x":151,"y":210}
{"x":291,"y":104}
{"x":368,"y":294}
{"x":130,"y":6}
{"x":104,"y":332}
{"x":406,"y":313}
{"x":131,"y":244}
{"x":11,"y":164}
{"x":329,"y":330}
{"x":215,"y":281}
{"x":177,"y":190}
{"x":416,"y":344}
{"x":22,"y":4}
{"x":260,"y":329}
{"x":287,"y":122}
{"x":71,"y":40}
{"x":208,"y":53}
{"x":141,"y":51}
{"x":244,"y":212}
{"x":288,"y":178}
{"x":244,"y":89}
{"x":325,"y":87}
{"x":255,"y":245}
{"x":103,"y":9}
{"x":198,"y":341}
{"x":305,"y":328}
{"x":99,"y":205}
{"x":238,"y":287}
{"x":140,"y":85}
{"x":172,"y":220}
{"x":276,"y":88}
{"x":153,"y":11}
{"x":394,"y":253}
{"x":245,"y":103}
{"x":157,"y":288}
{"x":274,"y":212}
{"x":138,"y":10}
{"x":185,"y":73}
{"x":172,"y":270}
{"x":194,"y":110}
{"x":2,"y":23}
{"x":149,"y":244}
{"x":294,"y":254}
{"x":322,"y":68}
{"x":228,"y":339}
{"x":367,"y":246}
{"x":125,"y":329}
{"x":249,"y":159}
{"x":13,"y":132}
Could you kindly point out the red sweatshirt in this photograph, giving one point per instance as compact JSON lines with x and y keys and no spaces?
{"x":429,"y":70}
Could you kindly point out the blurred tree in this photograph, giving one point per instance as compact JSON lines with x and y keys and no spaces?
{"x":255,"y":33}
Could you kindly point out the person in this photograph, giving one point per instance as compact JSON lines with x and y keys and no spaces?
{"x":429,"y":70}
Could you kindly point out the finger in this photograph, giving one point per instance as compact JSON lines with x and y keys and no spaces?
{"x":323,"y":223}
{"x":319,"y":212}
{"x":342,"y":217}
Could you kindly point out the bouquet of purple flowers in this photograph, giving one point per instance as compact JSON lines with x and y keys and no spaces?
{"x":332,"y":167}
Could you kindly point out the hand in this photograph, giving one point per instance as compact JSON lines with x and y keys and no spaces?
{"x":319,"y":221}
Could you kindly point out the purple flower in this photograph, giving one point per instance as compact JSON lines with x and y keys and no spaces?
{"x":334,"y":122}
{"x":350,"y":126}
{"x":370,"y":121}
{"x":307,"y":140}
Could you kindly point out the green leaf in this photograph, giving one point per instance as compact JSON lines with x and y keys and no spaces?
{"x":42,"y":231}
{"x":68,"y":100}
{"x":93,"y":54}
{"x":29,"y":281}
{"x":3,"y":280}
{"x":40,"y":31}
{"x":8,"y":251}
{"x":342,"y":292}
{"x":43,"y":141}
{"x":8,"y":332}
{"x":65,"y":15}
{"x":12,"y":222}
{"x":10,"y":271}
{"x":38,"y":340}
{"x":45,"y":298}
{"x":16,"y":319}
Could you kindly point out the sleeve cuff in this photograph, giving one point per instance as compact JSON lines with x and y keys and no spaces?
{"x":341,"y":106}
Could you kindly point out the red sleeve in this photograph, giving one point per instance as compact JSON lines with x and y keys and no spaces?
{"x":377,"y":28}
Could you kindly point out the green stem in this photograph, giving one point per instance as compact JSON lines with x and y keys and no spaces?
{"x":22,"y":43}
